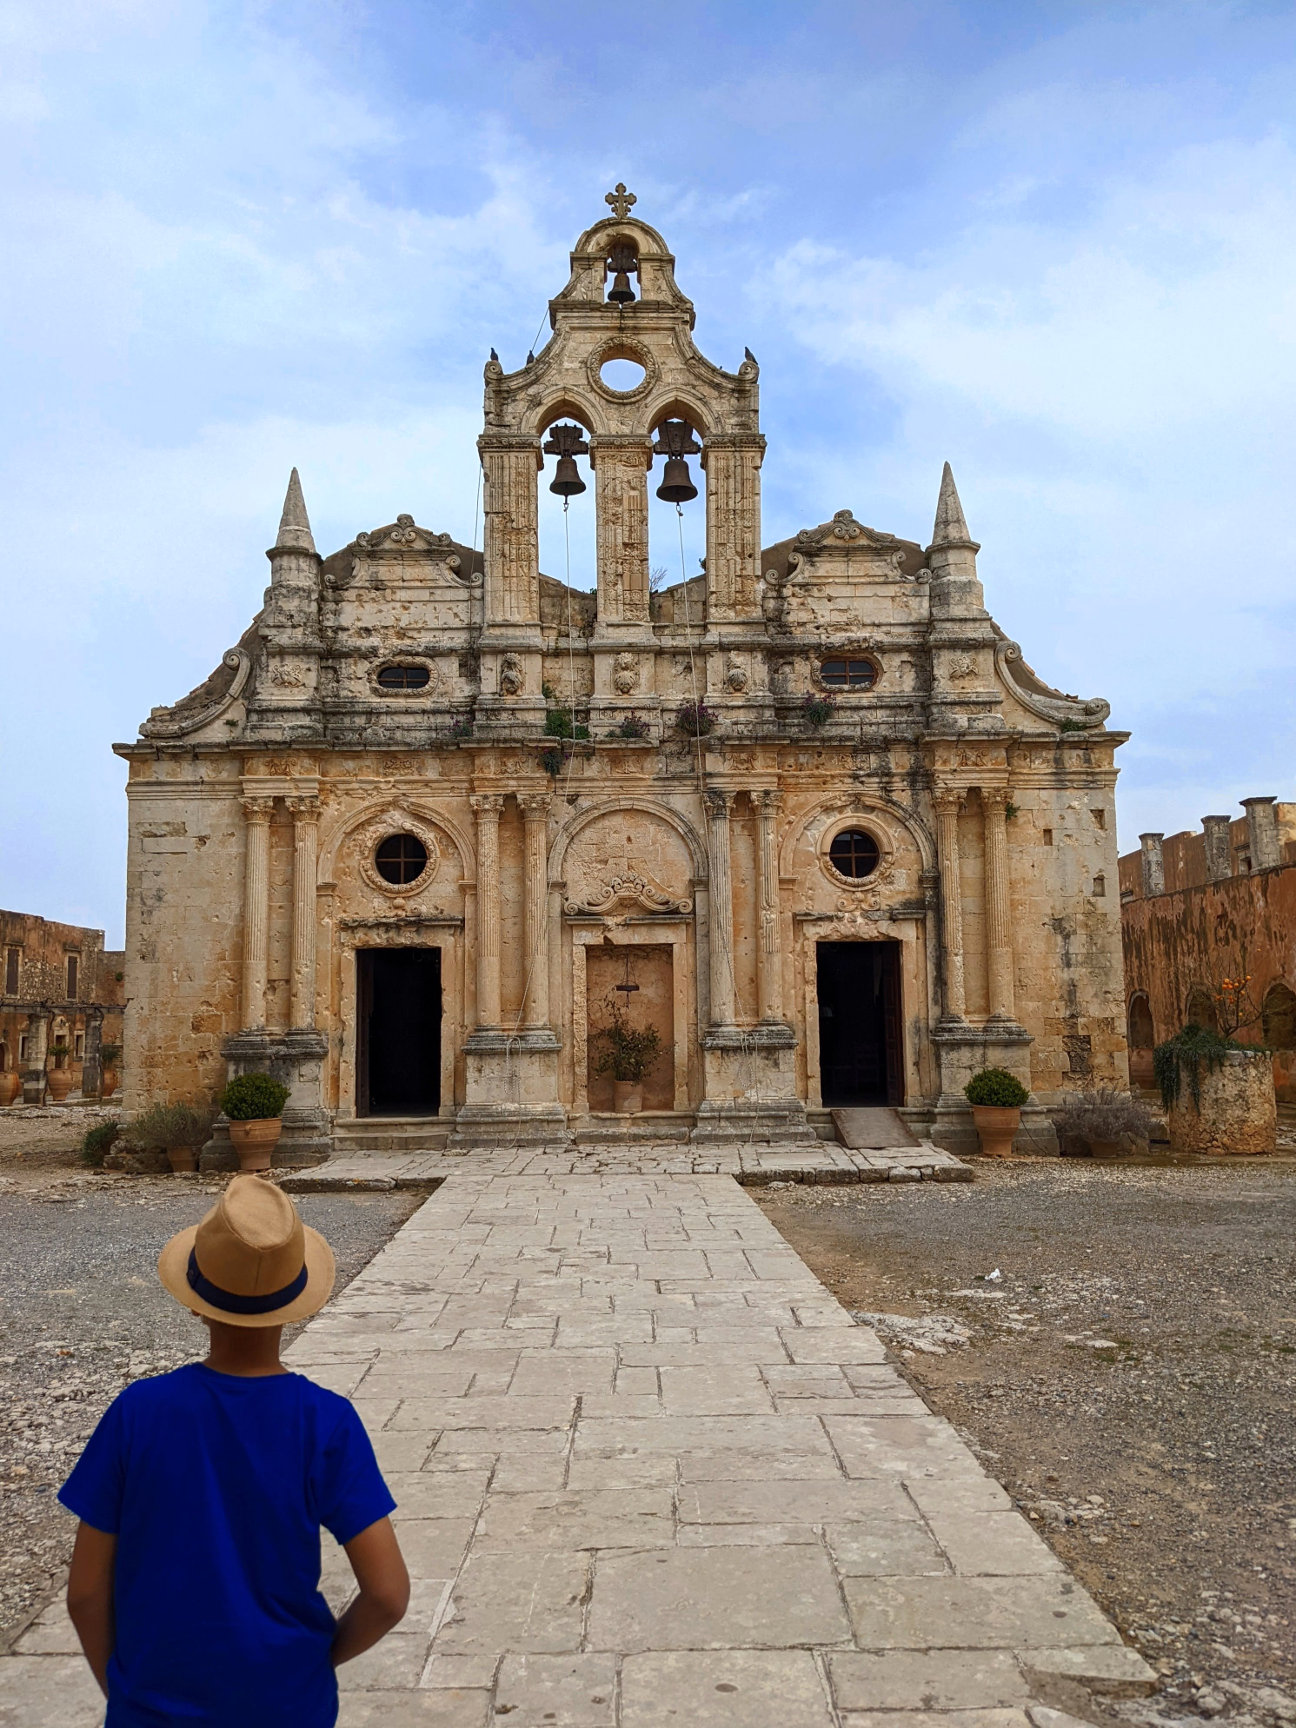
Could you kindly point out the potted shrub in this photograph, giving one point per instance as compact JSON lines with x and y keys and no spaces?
{"x":109,"y":1059}
{"x":97,"y":1142}
{"x":176,"y":1129}
{"x":254,"y":1104}
{"x":1102,"y":1120}
{"x":996,"y":1097}
{"x":59,"y":1078}
{"x":10,"y":1086}
{"x":1218,"y":1094}
{"x":628,"y":1053}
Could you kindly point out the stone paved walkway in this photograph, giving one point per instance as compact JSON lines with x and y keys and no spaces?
{"x":649,"y":1474}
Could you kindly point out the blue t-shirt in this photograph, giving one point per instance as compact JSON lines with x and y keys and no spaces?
{"x":216,"y":1486}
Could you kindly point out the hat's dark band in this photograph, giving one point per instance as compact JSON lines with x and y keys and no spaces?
{"x":232,"y":1304}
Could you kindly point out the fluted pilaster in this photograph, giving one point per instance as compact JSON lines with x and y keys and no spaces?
{"x":999,"y":950}
{"x":720,"y":899}
{"x":535,"y":812}
{"x":947,"y":805}
{"x":621,"y":482}
{"x":769,"y":973}
{"x":305,"y":817}
{"x":488,"y":806}
{"x":256,"y":909}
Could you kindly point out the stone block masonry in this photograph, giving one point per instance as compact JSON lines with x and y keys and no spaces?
{"x":648,"y":1471}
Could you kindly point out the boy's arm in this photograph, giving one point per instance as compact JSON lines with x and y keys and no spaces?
{"x":90,"y":1597}
{"x":379,"y":1569}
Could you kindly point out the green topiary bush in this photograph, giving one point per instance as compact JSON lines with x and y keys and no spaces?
{"x":253,"y":1098}
{"x":97,"y":1142}
{"x":997,"y":1088}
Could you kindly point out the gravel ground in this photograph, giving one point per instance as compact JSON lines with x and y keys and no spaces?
{"x":1118,"y":1343}
{"x":82,"y":1313}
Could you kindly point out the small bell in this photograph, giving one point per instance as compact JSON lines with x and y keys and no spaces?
{"x":621,"y":261}
{"x":566,"y":443}
{"x":675,"y":442}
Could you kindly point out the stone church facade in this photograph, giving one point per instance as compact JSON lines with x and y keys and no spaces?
{"x":436,"y":813}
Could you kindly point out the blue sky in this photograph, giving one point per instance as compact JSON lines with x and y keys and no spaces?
{"x":1053,"y":244}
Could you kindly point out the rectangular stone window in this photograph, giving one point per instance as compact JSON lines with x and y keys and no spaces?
{"x":73,"y":974}
{"x":1048,"y":836}
{"x":22,"y":1048}
{"x":78,"y":1045}
{"x":1100,"y":817}
{"x":12,"y":963}
{"x":1099,"y":887}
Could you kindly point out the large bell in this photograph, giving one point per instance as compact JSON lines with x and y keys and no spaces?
{"x":567,"y":481}
{"x":621,"y":290}
{"x":622,"y":259}
{"x":677,"y":484}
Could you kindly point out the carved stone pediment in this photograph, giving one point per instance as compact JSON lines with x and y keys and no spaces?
{"x":843,"y":528}
{"x":625,"y":890}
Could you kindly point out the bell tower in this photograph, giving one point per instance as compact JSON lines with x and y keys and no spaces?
{"x":621,"y":303}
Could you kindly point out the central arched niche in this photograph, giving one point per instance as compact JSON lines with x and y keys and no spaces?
{"x":627,"y":844}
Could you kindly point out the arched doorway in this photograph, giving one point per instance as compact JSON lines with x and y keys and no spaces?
{"x":1142,"y":1039}
{"x":1200,"y":1009}
{"x":1278,"y":1028}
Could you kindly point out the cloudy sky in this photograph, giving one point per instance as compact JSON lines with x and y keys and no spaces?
{"x":1054,"y":244}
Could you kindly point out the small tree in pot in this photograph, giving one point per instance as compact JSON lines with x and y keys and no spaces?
{"x":254,"y":1104}
{"x":109,"y":1058}
{"x":59,"y":1078}
{"x":628,"y":1053}
{"x":996,"y":1097}
{"x":176,"y":1129}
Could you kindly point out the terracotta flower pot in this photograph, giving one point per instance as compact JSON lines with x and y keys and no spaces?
{"x":10,"y":1086}
{"x":182,"y":1159}
{"x":996,"y":1126}
{"x":59,"y":1081}
{"x":109,"y":1080}
{"x":627,"y":1096}
{"x":255,"y":1141}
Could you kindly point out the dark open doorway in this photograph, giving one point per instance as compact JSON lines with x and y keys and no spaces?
{"x":398,"y":1044}
{"x":860,"y":1058}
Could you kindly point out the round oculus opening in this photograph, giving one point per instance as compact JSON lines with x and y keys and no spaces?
{"x":844,"y":674}
{"x":854,"y":853}
{"x":403,"y":676}
{"x":621,"y":375}
{"x":401,"y":859}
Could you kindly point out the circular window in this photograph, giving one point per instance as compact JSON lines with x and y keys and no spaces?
{"x":403,"y":677}
{"x":401,"y":858}
{"x":843,"y":674}
{"x":623,"y":376}
{"x":854,"y":853}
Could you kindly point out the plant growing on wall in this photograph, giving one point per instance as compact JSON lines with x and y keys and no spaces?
{"x":816,"y":710}
{"x":695,"y":719}
{"x":631,"y":726}
{"x":1193,"y":1051}
{"x":628,"y":1051}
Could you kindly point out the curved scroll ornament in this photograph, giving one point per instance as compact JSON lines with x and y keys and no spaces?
{"x":621,"y":890}
{"x":158,"y":726}
{"x":1040,"y":698}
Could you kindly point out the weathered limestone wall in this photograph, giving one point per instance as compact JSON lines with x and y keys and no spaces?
{"x":40,"y":1009}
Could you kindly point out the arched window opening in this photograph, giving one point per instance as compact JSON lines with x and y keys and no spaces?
{"x":1201,"y":1009}
{"x":1278,"y":1017}
{"x":1142,"y":1032}
{"x":621,"y":264}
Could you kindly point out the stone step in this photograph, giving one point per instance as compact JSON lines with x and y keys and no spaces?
{"x":390,"y":1134}
{"x":872,"y":1129}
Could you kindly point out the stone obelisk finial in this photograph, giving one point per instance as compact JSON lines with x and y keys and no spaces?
{"x":294,"y":525}
{"x":951,"y":556}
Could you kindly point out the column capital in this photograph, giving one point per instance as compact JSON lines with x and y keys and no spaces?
{"x":486,"y":803}
{"x":770,"y":800}
{"x":258,"y":809}
{"x":947,"y":800}
{"x":303,"y":807}
{"x":718,"y":803}
{"x":995,"y":797}
{"x":535,"y":804}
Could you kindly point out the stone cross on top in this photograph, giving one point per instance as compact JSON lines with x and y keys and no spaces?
{"x":620,"y":200}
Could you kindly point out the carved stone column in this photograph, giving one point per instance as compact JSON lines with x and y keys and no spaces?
{"x":256,"y":909}
{"x":510,"y":464}
{"x":999,"y":950}
{"x":720,"y":897}
{"x":947,"y":805}
{"x":1153,"y":864}
{"x":305,"y":815}
{"x":1262,"y":831}
{"x":1219,"y":847}
{"x":621,"y":506}
{"x":535,"y":811}
{"x":732,"y":462}
{"x":769,"y":960}
{"x":33,"y":1067}
{"x":488,"y":806}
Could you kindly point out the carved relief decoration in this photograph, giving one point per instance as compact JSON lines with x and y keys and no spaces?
{"x":175,"y":722}
{"x":1041,"y":699}
{"x":625,"y":676}
{"x":631,"y":889}
{"x":512,"y":675}
{"x":736,"y":675}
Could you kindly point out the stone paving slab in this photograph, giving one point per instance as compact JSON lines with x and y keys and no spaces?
{"x":630,"y":1499}
{"x":753,"y":1164}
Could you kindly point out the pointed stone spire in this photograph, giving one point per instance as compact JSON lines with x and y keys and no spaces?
{"x":294,"y":524}
{"x":950,"y":527}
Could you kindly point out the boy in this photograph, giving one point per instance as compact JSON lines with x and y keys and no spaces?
{"x":195,"y":1577}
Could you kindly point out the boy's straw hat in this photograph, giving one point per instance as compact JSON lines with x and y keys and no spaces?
{"x":251,"y":1262}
